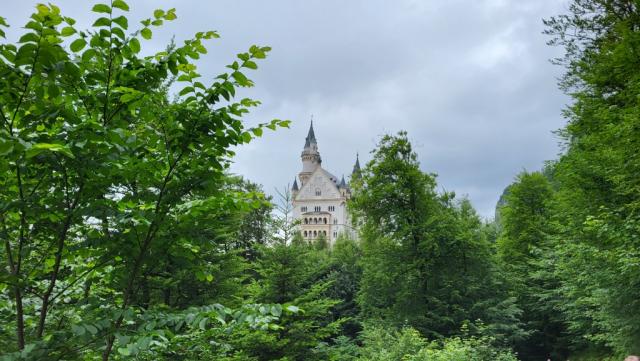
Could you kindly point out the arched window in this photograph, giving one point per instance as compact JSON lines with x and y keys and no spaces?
{"x":315,"y":233}
{"x":335,"y":221}
{"x":315,"y":220}
{"x":306,"y":221}
{"x":325,"y":221}
{"x":318,"y":192}
{"x":305,"y":233}
{"x":324,"y":233}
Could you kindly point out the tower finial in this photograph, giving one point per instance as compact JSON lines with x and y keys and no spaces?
{"x":311,"y":137}
{"x":356,"y":167}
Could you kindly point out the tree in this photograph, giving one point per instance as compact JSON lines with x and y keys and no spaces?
{"x":255,"y":225}
{"x":526,"y":255}
{"x":292,"y":274}
{"x":598,"y":198}
{"x":98,"y":165}
{"x":284,"y":226}
{"x":426,"y":259}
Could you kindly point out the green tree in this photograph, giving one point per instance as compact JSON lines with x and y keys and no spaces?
{"x":597,"y":176}
{"x":98,"y":165}
{"x":426,"y":259}
{"x":525,"y":252}
{"x":292,"y":274}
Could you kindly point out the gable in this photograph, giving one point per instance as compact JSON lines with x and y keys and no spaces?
{"x":320,"y":180}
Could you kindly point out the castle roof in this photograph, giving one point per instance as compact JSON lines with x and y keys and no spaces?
{"x":311,"y":137}
{"x":356,"y":167}
{"x":342,"y":184}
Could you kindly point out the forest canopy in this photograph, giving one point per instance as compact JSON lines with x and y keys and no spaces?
{"x":125,"y":236}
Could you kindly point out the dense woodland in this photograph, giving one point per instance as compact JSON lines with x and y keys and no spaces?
{"x":125,"y":237}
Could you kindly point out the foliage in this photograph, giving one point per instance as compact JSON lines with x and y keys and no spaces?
{"x":525,"y":254}
{"x":292,"y":274}
{"x":426,"y":259}
{"x":104,"y":181}
{"x":124,"y":235}
{"x":598,"y":189}
{"x":380,"y":344}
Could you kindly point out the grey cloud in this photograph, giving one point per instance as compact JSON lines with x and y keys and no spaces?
{"x":469,"y":80}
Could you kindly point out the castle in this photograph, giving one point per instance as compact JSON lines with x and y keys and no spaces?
{"x":320,"y":203}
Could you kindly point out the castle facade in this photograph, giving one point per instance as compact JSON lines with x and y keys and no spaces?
{"x":320,"y":202}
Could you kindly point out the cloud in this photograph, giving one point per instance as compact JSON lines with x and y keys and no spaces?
{"x":469,"y":80}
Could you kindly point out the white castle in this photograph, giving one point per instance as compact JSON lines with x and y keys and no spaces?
{"x":320,"y":203}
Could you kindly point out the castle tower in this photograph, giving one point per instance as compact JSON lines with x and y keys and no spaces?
{"x":356,"y":168}
{"x":310,"y":156}
{"x":320,"y":199}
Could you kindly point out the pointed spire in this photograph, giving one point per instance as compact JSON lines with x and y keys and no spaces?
{"x":342,"y":183}
{"x":356,"y":167}
{"x":311,"y":137}
{"x":295,"y":185}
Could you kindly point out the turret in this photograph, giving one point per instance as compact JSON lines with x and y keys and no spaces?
{"x":310,"y":156}
{"x":294,"y":188}
{"x":356,"y":168}
{"x":343,"y":187}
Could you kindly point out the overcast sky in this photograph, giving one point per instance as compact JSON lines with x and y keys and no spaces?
{"x":469,"y":80}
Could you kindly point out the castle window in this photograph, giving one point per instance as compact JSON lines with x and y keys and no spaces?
{"x":335,"y":234}
{"x":317,"y":208}
{"x":306,"y":221}
{"x":318,"y":192}
{"x":335,"y":221}
{"x":303,"y":209}
{"x":324,"y":233}
{"x":305,"y":233}
{"x":332,"y":208}
{"x":325,"y":221}
{"x":315,"y":233}
{"x":315,"y":220}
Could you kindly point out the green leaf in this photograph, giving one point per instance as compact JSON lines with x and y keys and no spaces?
{"x":171,"y":15}
{"x":124,"y":351}
{"x":88,"y":54}
{"x":246,"y":137}
{"x":78,"y":45}
{"x":118,"y":32}
{"x":120,"y":4}
{"x":203,"y":323}
{"x":29,"y":38}
{"x":67,"y":31}
{"x":102,"y":22}
{"x":158,"y":13}
{"x":276,"y":310}
{"x":293,"y":309}
{"x":186,"y":90}
{"x":239,"y":77}
{"x":92,"y":329}
{"x":122,"y":22}
{"x":5,"y":148}
{"x":200,"y":275}
{"x":128,"y":97}
{"x":250,"y":64}
{"x":78,"y":330}
{"x":257,"y":132}
{"x":134,"y":45}
{"x":38,"y":148}
{"x":101,"y":8}
{"x":146,"y":33}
